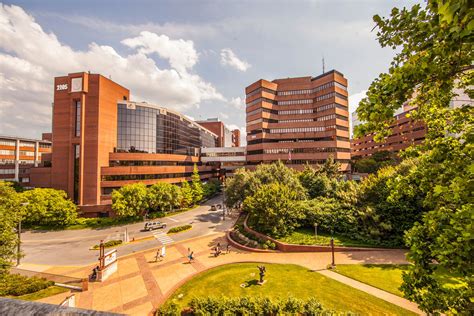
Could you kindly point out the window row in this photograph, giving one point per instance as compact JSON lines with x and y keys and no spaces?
{"x":254,"y":92}
{"x":117,"y":163}
{"x":8,"y":142}
{"x":302,"y":129}
{"x":27,"y":153}
{"x":291,"y":102}
{"x":316,"y":89}
{"x":261,"y":100}
{"x":7,"y":171}
{"x":151,"y":176}
{"x":7,"y":152}
{"x":299,"y":150}
{"x":27,"y":144}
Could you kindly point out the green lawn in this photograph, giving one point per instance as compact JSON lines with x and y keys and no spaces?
{"x":283,"y":280}
{"x":388,"y":277}
{"x":50,"y":291}
{"x":305,"y":236}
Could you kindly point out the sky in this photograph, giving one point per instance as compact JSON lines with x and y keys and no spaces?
{"x":195,"y":57}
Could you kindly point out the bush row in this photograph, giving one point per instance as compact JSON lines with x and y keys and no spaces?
{"x":17,"y":285}
{"x":248,"y":306}
{"x":110,"y":243}
{"x":178,"y":229}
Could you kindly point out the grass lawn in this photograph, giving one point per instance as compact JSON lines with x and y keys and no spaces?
{"x":283,"y":280}
{"x":388,"y":277}
{"x":50,"y":291}
{"x":305,"y":236}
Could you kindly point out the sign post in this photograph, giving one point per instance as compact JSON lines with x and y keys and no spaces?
{"x":107,"y":262}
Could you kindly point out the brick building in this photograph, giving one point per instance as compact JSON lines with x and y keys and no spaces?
{"x":103,"y":141}
{"x":19,"y":155}
{"x":298,"y":120}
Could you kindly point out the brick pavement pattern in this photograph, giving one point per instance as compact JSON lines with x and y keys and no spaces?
{"x":140,"y":285}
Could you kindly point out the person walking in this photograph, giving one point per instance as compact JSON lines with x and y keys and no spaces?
{"x":227,"y":249}
{"x":191,"y":257}
{"x":158,"y":254}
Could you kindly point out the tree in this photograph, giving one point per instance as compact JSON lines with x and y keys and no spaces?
{"x":274,"y":209}
{"x":244,"y":183}
{"x":331,"y":168}
{"x":163,"y":196}
{"x":10,"y":214}
{"x":130,"y":200}
{"x":196,"y":185}
{"x":186,"y":194}
{"x":433,"y":64}
{"x":382,"y":216}
{"x":49,"y":207}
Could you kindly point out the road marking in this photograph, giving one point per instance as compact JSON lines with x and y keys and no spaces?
{"x":174,"y":220}
{"x":163,"y":238}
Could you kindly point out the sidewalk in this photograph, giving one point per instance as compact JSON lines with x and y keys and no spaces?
{"x":140,"y":285}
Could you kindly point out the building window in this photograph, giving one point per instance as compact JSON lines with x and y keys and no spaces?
{"x":77,"y":153}
{"x":77,"y":132}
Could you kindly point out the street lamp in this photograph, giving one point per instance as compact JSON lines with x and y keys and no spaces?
{"x":333,"y":264}
{"x":316,"y":230}
{"x":18,"y":230}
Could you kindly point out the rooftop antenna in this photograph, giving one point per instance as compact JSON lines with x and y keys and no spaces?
{"x":324,"y":68}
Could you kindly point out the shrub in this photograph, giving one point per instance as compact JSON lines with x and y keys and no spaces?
{"x":248,"y":306}
{"x":17,"y":285}
{"x":110,"y":243}
{"x":178,"y":229}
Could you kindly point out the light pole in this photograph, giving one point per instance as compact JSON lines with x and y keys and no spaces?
{"x":18,"y":230}
{"x":316,"y":230}
{"x":333,"y":264}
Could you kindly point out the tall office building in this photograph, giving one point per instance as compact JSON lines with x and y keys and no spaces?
{"x":298,"y":121}
{"x":224,"y":135}
{"x":102,"y":141}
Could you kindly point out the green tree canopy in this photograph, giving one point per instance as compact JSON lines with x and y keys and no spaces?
{"x":10,"y":214}
{"x":187,"y":197}
{"x":164,"y":196}
{"x":274,"y":209}
{"x":244,"y":183}
{"x":196,"y":185}
{"x":48,"y":207}
{"x":434,"y":63}
{"x":130,"y":200}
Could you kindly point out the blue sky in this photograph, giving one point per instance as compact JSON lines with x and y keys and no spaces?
{"x":194,"y":56}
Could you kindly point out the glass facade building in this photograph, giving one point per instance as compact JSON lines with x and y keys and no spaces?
{"x":144,"y":128}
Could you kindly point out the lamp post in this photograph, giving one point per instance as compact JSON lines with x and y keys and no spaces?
{"x":333,"y":264}
{"x":18,"y":230}
{"x":316,"y":230}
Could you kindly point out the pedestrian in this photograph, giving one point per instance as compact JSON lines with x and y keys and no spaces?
{"x":191,"y":257}
{"x":227,"y":248}
{"x":157,"y":256}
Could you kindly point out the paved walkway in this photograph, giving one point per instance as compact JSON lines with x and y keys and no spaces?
{"x":389,"y":297}
{"x":140,"y":285}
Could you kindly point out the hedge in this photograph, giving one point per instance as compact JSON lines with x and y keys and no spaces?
{"x":17,"y":285}
{"x":247,"y":306}
{"x":178,"y":229}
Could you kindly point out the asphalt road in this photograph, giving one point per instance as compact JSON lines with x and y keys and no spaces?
{"x":71,"y":247}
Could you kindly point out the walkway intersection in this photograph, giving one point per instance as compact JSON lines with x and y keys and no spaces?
{"x":140,"y":285}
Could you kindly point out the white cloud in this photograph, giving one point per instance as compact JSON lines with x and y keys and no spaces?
{"x":354,"y":100}
{"x":238,"y":103}
{"x":229,"y":58}
{"x":180,"y":53}
{"x":224,"y":115}
{"x":30,"y":58}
